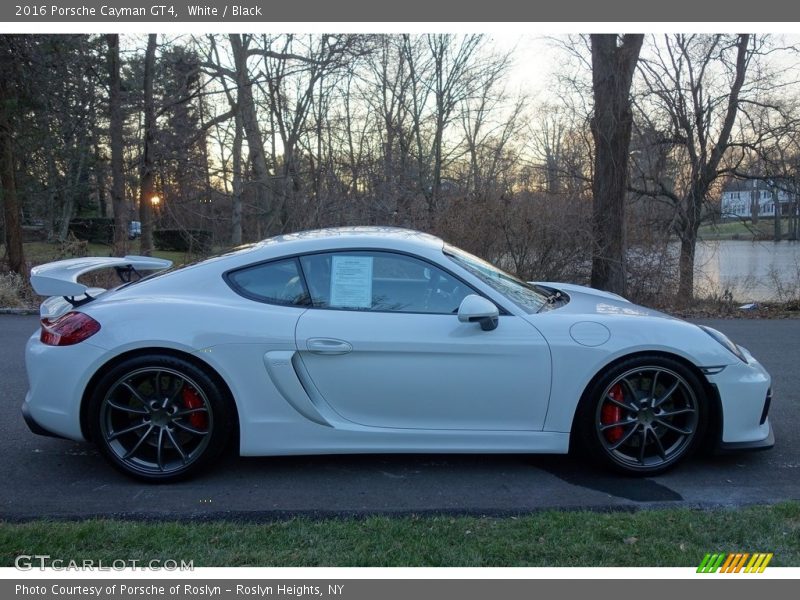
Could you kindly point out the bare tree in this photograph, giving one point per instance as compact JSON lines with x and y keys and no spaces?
{"x":147,"y":188}
{"x":693,"y":90}
{"x":491,"y":120}
{"x":416,"y":130}
{"x":613,"y":65}
{"x":453,"y":81}
{"x":388,"y":98}
{"x":419,"y":66}
{"x":215,"y":68}
{"x":295,"y":75}
{"x":781,"y":159}
{"x":115,"y":128}
{"x":238,"y":184}
{"x":11,"y":207}
{"x":559,"y":142}
{"x":246,"y":107}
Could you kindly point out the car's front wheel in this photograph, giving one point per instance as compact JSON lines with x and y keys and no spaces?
{"x":644,"y":415}
{"x":159,"y":417}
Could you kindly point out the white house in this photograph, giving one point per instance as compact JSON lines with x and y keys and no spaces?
{"x":740,"y":196}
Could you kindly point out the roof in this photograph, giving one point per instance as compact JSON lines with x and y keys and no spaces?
{"x":746,"y":185}
{"x":356,"y":232}
{"x":333,"y":238}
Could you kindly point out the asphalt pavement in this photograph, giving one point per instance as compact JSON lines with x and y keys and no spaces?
{"x":46,"y":477}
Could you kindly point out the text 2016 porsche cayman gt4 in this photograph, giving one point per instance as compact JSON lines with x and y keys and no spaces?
{"x":374,"y":340}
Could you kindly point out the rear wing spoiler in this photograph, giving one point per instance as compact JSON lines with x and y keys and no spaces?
{"x":60,"y":278}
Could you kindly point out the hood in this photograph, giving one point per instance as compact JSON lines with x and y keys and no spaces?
{"x":586,"y":300}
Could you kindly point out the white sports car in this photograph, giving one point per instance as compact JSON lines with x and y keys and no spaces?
{"x":374,"y":340}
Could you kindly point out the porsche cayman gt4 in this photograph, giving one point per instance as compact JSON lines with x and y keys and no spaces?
{"x":374,"y":340}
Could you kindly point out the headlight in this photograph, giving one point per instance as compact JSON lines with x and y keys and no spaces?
{"x":725,"y":341}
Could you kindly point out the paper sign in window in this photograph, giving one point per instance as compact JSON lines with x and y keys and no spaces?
{"x":351,"y":282}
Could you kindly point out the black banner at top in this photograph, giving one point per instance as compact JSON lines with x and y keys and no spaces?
{"x":438,"y":11}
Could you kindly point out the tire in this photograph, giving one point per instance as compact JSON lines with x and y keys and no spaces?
{"x":643,"y":416}
{"x":159,"y":418}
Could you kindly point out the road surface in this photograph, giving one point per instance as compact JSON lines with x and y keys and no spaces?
{"x":46,"y":477}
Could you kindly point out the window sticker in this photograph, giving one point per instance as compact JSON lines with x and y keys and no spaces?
{"x":351,"y":282}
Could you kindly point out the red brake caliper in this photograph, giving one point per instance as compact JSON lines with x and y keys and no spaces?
{"x":191,"y":399}
{"x":611,"y":413}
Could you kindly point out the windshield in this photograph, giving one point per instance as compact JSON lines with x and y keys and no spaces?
{"x":521,"y":293}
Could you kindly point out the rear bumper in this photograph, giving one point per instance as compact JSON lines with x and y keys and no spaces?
{"x":57,"y":377}
{"x":34,"y":426}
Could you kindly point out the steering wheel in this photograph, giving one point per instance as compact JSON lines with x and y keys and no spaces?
{"x":442,"y":295}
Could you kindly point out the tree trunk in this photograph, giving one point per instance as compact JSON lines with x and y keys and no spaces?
{"x":147,"y":179}
{"x":247,"y":110}
{"x":11,"y":208}
{"x":436,"y":184}
{"x":100,"y":180}
{"x":68,"y":206}
{"x":776,"y":213}
{"x":686,"y":268}
{"x":236,"y":210}
{"x":612,"y":74}
{"x":52,"y":197}
{"x":115,"y":129}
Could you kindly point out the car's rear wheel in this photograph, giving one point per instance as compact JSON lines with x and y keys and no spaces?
{"x":644,"y":415}
{"x":159,"y":417}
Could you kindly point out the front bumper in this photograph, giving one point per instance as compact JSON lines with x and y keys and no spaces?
{"x":765,"y":444}
{"x":744,"y":393}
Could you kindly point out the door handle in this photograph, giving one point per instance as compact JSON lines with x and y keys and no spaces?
{"x":328,"y":346}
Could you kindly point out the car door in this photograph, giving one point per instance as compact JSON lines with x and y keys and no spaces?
{"x":384,"y":348}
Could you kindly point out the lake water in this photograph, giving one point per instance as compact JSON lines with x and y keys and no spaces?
{"x":752,"y":271}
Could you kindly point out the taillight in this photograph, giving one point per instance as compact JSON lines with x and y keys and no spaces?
{"x":68,"y":329}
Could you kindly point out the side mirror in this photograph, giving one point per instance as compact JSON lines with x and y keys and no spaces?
{"x":476,"y":309}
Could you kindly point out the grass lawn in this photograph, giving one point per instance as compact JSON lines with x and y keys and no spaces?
{"x":674,"y":537}
{"x":741,"y":230}
{"x":37,"y":253}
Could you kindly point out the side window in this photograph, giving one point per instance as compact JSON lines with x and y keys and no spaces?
{"x":277,"y":282}
{"x":381,"y":282}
